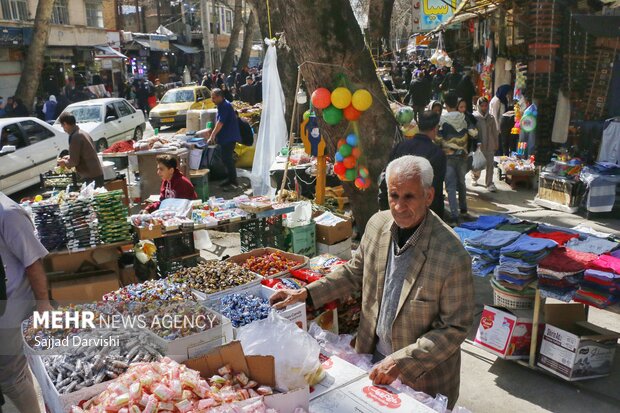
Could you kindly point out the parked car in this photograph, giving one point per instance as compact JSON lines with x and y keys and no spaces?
{"x":107,"y":120}
{"x":173,"y":106}
{"x":28,"y":147}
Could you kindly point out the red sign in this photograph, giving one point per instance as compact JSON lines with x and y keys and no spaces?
{"x":382,"y":396}
{"x":487,"y":321}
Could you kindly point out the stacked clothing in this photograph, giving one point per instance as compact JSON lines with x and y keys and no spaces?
{"x":560,"y":237}
{"x":485,"y":249}
{"x":465,"y":234}
{"x":518,"y":261}
{"x":519,"y":226}
{"x":592,"y":244}
{"x":560,"y":273}
{"x":601,"y":282}
{"x":485,"y":222}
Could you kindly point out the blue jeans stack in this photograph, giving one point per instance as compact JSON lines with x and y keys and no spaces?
{"x":485,"y":249}
{"x":518,"y":261}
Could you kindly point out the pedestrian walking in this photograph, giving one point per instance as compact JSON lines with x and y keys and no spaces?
{"x":49,"y":108}
{"x":488,"y":141}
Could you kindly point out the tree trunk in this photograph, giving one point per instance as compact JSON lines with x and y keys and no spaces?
{"x":33,"y":66}
{"x":325,"y":31}
{"x":287,"y":65}
{"x":379,"y":23}
{"x":248,"y":35}
{"x":229,"y":56}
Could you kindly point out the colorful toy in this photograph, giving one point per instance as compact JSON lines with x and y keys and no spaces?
{"x":362,"y":100}
{"x":332,"y":115}
{"x":341,"y":97}
{"x":321,"y":98}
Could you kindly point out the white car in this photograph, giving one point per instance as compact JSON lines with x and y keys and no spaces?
{"x":107,"y":120}
{"x":28,"y":147}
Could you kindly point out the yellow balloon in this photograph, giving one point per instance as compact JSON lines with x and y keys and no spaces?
{"x":341,"y":97}
{"x":38,"y":198}
{"x":362,"y":100}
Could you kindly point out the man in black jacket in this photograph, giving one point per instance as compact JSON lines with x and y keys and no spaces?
{"x":419,"y":95}
{"x":422,"y":145}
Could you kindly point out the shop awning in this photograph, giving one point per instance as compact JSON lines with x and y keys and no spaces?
{"x":187,"y":49}
{"x":156,"y":45}
{"x":469,"y":9}
{"x":109,"y":53}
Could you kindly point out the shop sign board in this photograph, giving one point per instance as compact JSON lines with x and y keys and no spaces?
{"x":436,"y":12}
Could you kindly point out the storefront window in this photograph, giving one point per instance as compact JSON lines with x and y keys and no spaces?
{"x":229,"y":22}
{"x":14,"y":9}
{"x":60,"y":15}
{"x":94,"y":14}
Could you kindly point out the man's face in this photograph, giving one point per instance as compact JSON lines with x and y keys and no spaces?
{"x":409,"y":201}
{"x":67,"y":128}
{"x":164,"y":172}
{"x":249,"y":81}
{"x":217,"y":99}
{"x":483,"y":108}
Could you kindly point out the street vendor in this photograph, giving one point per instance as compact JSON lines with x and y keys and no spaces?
{"x":416,"y":284}
{"x":174,"y":184}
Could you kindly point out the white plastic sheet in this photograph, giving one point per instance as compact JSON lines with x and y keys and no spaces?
{"x":272,"y":134}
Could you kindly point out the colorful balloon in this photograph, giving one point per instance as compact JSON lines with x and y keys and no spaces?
{"x":362,"y":100}
{"x":360,"y":183}
{"x":341,"y":142}
{"x":341,"y":97}
{"x":321,"y":98}
{"x":351,"y":114}
{"x":352,"y":139}
{"x":364,"y":172}
{"x":350,"y":175}
{"x":306,"y":115}
{"x":339,"y":168}
{"x":332,"y":115}
{"x":339,"y":157}
{"x":349,"y":162}
{"x":345,"y":150}
{"x":356,"y":152}
{"x":404,"y":115}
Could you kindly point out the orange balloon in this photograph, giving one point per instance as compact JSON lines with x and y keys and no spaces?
{"x":351,"y":114}
{"x":356,"y":152}
{"x":340,"y":143}
{"x":349,"y":162}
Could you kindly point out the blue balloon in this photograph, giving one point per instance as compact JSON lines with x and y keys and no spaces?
{"x":339,"y":157}
{"x":352,"y":140}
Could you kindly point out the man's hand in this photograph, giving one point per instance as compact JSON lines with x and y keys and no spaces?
{"x":43,"y":306}
{"x":385,"y":372}
{"x":284,"y":298}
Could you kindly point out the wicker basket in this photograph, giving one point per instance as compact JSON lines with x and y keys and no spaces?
{"x":511,"y":299}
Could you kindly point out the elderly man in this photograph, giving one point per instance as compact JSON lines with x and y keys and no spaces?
{"x":416,"y":283}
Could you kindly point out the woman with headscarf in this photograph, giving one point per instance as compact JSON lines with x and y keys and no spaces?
{"x":499,"y":104}
{"x":466,"y":91}
{"x":49,"y":108}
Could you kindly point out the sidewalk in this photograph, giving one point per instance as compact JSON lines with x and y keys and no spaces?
{"x":489,"y":384}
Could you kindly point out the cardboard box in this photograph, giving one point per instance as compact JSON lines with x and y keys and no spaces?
{"x":362,"y":396}
{"x":151,"y":232}
{"x":341,"y":249}
{"x":196,"y":345}
{"x":505,"y":333}
{"x":337,"y":373}
{"x":331,"y":235}
{"x":258,"y":368}
{"x":241,"y":258}
{"x":78,"y":287}
{"x":572,"y":348}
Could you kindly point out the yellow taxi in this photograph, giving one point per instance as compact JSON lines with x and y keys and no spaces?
{"x":173,"y":106}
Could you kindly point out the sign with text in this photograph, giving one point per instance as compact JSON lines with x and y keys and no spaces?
{"x":436,"y":12}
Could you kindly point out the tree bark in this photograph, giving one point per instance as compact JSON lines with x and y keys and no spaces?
{"x":33,"y":66}
{"x":287,"y":65}
{"x":325,"y":31}
{"x":248,"y":35}
{"x":229,"y":56}
{"x":379,"y":24}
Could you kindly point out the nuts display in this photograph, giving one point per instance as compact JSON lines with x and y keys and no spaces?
{"x":212,"y":276}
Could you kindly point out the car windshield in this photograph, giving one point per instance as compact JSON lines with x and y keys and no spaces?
{"x":85,"y":114}
{"x":176,"y":96}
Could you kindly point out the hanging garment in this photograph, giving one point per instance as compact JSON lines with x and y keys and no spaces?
{"x":610,"y":145}
{"x":562,"y":119}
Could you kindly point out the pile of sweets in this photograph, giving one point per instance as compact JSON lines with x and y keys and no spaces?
{"x":172,"y":387}
{"x":151,"y":290}
{"x":112,"y":216}
{"x":212,"y":276}
{"x":189,"y":318}
{"x":47,"y":219}
{"x":242,"y":309}
{"x":83,"y":364}
{"x":80,"y":224}
{"x":269,"y":264}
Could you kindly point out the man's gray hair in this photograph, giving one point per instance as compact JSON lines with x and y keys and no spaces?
{"x":411,"y":167}
{"x":217,"y":92}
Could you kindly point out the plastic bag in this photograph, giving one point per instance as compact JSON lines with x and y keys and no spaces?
{"x":479,"y":161}
{"x":340,"y":345}
{"x":439,"y":403}
{"x":295,"y":352}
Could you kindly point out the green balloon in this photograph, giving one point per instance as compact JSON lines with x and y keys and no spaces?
{"x":345,"y":150}
{"x":332,"y":115}
{"x":350,"y":174}
{"x":307,"y":115}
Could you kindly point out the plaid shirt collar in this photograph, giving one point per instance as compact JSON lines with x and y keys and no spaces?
{"x":413,"y":239}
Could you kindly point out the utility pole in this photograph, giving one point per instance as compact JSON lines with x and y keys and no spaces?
{"x":206,"y":28}
{"x":158,"y":5}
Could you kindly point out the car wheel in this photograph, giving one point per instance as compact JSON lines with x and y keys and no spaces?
{"x":137,"y":135}
{"x":102,"y":145}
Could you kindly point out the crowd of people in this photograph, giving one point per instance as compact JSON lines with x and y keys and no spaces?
{"x":453,"y":123}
